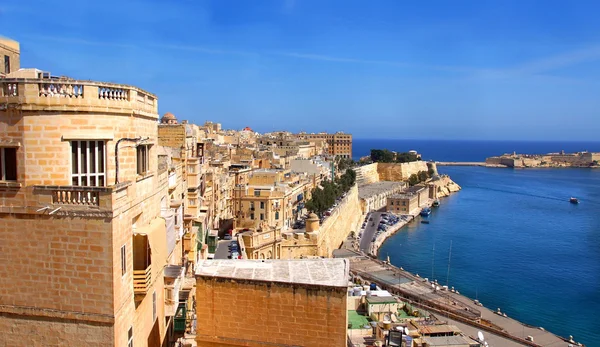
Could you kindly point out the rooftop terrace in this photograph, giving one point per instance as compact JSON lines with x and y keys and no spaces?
{"x":321,"y":272}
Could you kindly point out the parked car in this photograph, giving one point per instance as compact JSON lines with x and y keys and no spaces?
{"x":235,"y":255}
{"x":227,"y":237}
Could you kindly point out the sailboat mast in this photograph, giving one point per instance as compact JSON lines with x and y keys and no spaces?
{"x":449,"y":257}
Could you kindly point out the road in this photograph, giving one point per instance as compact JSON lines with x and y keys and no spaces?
{"x":369,"y":232}
{"x":222,"y":251}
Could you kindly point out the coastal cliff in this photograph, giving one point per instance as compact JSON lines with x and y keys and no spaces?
{"x":445,"y":186}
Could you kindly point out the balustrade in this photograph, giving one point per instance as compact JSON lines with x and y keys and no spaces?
{"x":65,"y":90}
{"x":76,"y":197}
{"x":10,"y":89}
{"x":110,"y":93}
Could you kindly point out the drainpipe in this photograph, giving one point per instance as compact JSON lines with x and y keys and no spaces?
{"x":136,"y":140}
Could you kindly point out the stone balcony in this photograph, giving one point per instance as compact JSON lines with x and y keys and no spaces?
{"x":62,"y":94}
{"x":81,"y":200}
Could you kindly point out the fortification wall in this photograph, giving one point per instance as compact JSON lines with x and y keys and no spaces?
{"x":367,"y":174}
{"x":399,"y":171}
{"x":336,"y":228}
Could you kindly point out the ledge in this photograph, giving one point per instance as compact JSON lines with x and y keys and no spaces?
{"x":7,"y":184}
{"x":144,"y":176}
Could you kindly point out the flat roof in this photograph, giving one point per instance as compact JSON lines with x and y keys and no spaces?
{"x":455,"y":340}
{"x":381,"y":300}
{"x":321,"y":272}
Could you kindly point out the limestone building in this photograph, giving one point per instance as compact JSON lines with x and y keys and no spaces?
{"x":85,"y":209}
{"x":272,"y":302}
{"x":272,"y":196}
{"x":339,"y":144}
{"x":10,"y":56}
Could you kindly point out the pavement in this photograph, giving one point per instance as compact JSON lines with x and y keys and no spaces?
{"x":369,"y":232}
{"x":222,"y":251}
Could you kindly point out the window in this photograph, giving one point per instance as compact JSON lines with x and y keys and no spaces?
{"x":130,"y":337}
{"x":8,"y":164}
{"x":192,"y":202}
{"x":87,"y":163}
{"x":143,"y":159}
{"x":6,"y":64}
{"x":256,"y":192}
{"x":252,"y":205}
{"x":123,"y":260}
{"x":276,"y":215}
{"x":262,"y":216}
{"x":252,"y":216}
{"x":154,"y":305}
{"x":403,"y":203}
{"x":262,"y":204}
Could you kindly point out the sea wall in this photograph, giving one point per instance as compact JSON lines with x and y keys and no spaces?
{"x":400,"y":171}
{"x":376,"y":172}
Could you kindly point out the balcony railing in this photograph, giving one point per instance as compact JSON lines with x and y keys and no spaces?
{"x":75,"y":196}
{"x":35,"y":93}
{"x":142,"y":280}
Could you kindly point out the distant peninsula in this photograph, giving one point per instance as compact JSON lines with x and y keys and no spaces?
{"x":553,"y":160}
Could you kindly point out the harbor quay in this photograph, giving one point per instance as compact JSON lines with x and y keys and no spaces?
{"x":447,"y":305}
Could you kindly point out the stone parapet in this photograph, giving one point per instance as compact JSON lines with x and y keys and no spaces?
{"x":64,"y":95}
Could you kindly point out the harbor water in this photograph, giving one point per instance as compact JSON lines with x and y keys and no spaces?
{"x":517,"y":242}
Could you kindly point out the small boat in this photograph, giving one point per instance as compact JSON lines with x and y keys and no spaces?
{"x":425,"y":212}
{"x":425,"y":221}
{"x":573,"y":200}
{"x":436,"y":203}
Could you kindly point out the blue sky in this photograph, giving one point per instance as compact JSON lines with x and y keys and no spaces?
{"x":519,"y":70}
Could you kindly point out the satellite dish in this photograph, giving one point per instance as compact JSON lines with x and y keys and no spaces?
{"x":480,"y":335}
{"x":486,"y":345}
{"x":406,"y":330}
{"x":386,"y":318}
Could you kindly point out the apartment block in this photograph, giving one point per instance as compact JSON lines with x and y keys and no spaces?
{"x":275,"y":197}
{"x":338,"y":144}
{"x":89,"y":239}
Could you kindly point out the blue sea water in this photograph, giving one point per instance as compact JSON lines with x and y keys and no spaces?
{"x":517,"y":242}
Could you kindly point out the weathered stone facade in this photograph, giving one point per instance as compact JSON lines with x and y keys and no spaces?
{"x":254,"y":312}
{"x":69,"y":215}
{"x":10,"y":56}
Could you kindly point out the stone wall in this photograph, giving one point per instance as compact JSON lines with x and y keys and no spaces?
{"x":31,"y":331}
{"x":367,"y":174}
{"x":336,"y":228}
{"x":256,"y":313}
{"x":399,"y":171}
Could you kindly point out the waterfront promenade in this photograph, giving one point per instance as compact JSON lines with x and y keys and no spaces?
{"x":454,"y":308}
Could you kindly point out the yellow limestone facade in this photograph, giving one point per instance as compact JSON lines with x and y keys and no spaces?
{"x":73,"y":274}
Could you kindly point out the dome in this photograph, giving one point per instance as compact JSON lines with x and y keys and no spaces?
{"x":168,"y":118}
{"x":313,"y":216}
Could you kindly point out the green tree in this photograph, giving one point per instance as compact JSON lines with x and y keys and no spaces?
{"x":406,"y":157}
{"x":423,"y":176}
{"x":382,"y":156}
{"x":345,"y":163}
{"x":413,"y":180}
